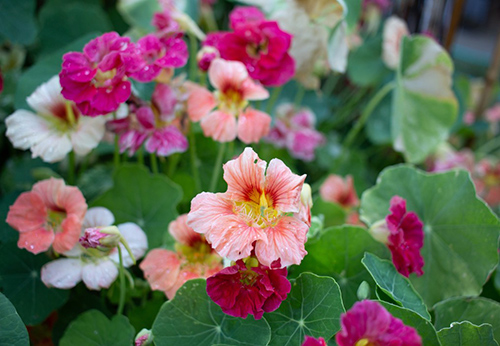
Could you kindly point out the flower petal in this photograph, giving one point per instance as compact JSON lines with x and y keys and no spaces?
{"x":46,"y":96}
{"x":88,"y":135}
{"x":253,"y":125}
{"x":63,"y":273}
{"x":25,"y":129}
{"x":98,"y":216}
{"x":36,"y":241}
{"x":220,"y":126}
{"x":200,"y":101}
{"x":100,"y":274}
{"x":283,"y":187}
{"x":28,"y":213}
{"x":223,"y":73}
{"x":71,"y":229}
{"x":253,"y":91}
{"x":137,"y":241}
{"x":161,"y":269}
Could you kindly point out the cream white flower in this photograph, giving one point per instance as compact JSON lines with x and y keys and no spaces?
{"x":55,"y":128}
{"x":394,"y":31}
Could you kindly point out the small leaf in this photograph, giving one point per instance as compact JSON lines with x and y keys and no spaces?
{"x":363,"y":291}
{"x":365,"y":66}
{"x":17,"y":20}
{"x":394,"y":284}
{"x":94,"y":328}
{"x":148,"y":200}
{"x":192,"y":318}
{"x":12,"y":329}
{"x":313,"y":307}
{"x":474,"y":310}
{"x":467,"y":334}
{"x":139,"y":13}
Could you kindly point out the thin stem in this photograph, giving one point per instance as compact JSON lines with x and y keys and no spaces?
{"x":194,"y":161}
{"x":299,"y":95}
{"x":193,"y":64}
{"x":116,"y":154}
{"x":121,"y":302}
{"x":331,"y":83}
{"x":217,"y":167}
{"x":140,"y":156}
{"x":154,"y":163}
{"x":173,"y":162}
{"x":489,"y":146}
{"x":372,"y":104}
{"x":71,"y":168}
{"x":272,"y":100}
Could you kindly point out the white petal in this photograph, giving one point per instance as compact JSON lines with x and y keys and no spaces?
{"x":98,"y":216}
{"x":88,"y":135}
{"x":25,"y":129}
{"x":46,"y":96}
{"x":54,"y":148}
{"x":137,"y":241}
{"x":101,"y":274}
{"x":63,"y":273}
{"x":76,"y":251}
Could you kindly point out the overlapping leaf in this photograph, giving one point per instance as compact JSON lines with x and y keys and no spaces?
{"x":467,"y":334}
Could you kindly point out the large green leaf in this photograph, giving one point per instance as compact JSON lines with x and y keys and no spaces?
{"x":313,"y":307}
{"x":338,"y":253}
{"x":353,"y":13}
{"x":192,"y":318}
{"x":394,"y":284}
{"x":94,"y":328}
{"x":461,"y":232}
{"x":334,"y":214}
{"x":423,"y":327}
{"x":424,"y":106}
{"x":12,"y":329}
{"x":17,"y":20}
{"x":474,"y":310}
{"x":148,"y":200}
{"x":20,"y":282}
{"x":467,"y":334}
{"x":365,"y":66}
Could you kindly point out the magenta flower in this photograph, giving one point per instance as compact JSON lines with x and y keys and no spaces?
{"x":258,"y":43}
{"x":310,"y":341}
{"x":159,"y":54}
{"x":97,"y":79}
{"x":405,"y":239}
{"x":244,"y":289}
{"x":369,"y":323}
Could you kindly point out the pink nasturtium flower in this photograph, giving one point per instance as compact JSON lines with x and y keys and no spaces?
{"x":232,"y":116}
{"x":369,"y":323}
{"x":487,"y":180}
{"x":260,"y":211}
{"x":310,"y":341}
{"x":51,"y":214}
{"x":167,"y":271}
{"x":249,"y":288}
{"x":339,"y":190}
{"x":97,"y":79}
{"x":402,"y":232}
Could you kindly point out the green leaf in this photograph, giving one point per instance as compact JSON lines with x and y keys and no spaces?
{"x":334,"y":213}
{"x":394,"y":284}
{"x":461,"y":232}
{"x":43,"y":70}
{"x":192,"y":318}
{"x":20,"y":282}
{"x":378,"y":126}
{"x":12,"y":329}
{"x":313,"y":307}
{"x":94,"y":328}
{"x":139,"y":13}
{"x":467,"y":334}
{"x":338,"y":253}
{"x":423,"y":327}
{"x":474,"y":310}
{"x":424,"y":106}
{"x":365,"y":66}
{"x":148,"y":200}
{"x":17,"y":20}
{"x":61,"y":24}
{"x":353,"y":13}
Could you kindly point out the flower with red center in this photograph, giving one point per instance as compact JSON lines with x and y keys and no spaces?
{"x":339,"y":190}
{"x":50,"y":214}
{"x":232,"y":116}
{"x":97,"y":79}
{"x":310,"y":341}
{"x":259,"y":211}
{"x":368,"y":323}
{"x":258,"y":43}
{"x":249,"y":288}
{"x":159,"y":54}
{"x":167,"y":271}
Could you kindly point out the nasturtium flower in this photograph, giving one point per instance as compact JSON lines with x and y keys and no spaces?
{"x":339,"y":190}
{"x":95,"y":268}
{"x":167,"y":270}
{"x":260,"y":210}
{"x":487,"y":181}
{"x":249,"y":288}
{"x":51,"y":214}
{"x":232,"y":117}
{"x":56,"y":127}
{"x":310,"y":341}
{"x":369,"y":323}
{"x":394,"y":31}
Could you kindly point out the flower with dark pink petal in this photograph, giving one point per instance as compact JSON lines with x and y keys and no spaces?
{"x":310,"y":341}
{"x":249,"y":288}
{"x":369,"y":323}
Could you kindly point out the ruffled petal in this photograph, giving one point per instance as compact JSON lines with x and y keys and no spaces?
{"x":283,"y":187}
{"x":46,"y":96}
{"x":36,"y":241}
{"x":53,"y":148}
{"x":253,"y":91}
{"x":88,"y":135}
{"x":26,"y":129}
{"x":220,"y":126}
{"x":71,"y":229}
{"x":137,"y":241}
{"x":223,"y":73}
{"x":101,"y":274}
{"x":28,"y":213}
{"x":161,"y":268}
{"x":200,"y":101}
{"x":253,"y":125}
{"x":98,"y":216}
{"x":63,"y":273}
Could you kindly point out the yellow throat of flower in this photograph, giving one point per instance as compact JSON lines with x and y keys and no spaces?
{"x":231,"y":101}
{"x":364,"y":342}
{"x":260,"y":214}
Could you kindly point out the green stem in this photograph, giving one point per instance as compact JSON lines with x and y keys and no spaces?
{"x":194,"y":161}
{"x":372,"y":104}
{"x":331,"y":83}
{"x":217,"y":167}
{"x":173,"y":162}
{"x":193,"y":63}
{"x":116,"y":154}
{"x":272,"y":100}
{"x":121,"y":302}
{"x":71,"y":168}
{"x":489,"y":146}
{"x":299,"y":95}
{"x":140,"y":156}
{"x":154,"y":163}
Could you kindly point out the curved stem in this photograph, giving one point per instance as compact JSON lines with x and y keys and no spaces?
{"x":116,"y":153}
{"x":489,"y":146}
{"x":217,"y":167}
{"x":272,"y":100}
{"x":194,"y":161}
{"x":193,"y":63}
{"x":71,"y":168}
{"x":301,"y":91}
{"x":372,"y":104}
{"x":121,"y":302}
{"x":154,"y":163}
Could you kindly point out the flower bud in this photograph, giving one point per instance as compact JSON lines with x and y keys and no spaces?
{"x":101,"y":237}
{"x":144,"y":338}
{"x":205,"y":56}
{"x":380,"y":231}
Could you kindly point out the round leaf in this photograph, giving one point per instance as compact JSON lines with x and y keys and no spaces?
{"x":467,"y":334}
{"x":17,"y":20}
{"x":313,"y":307}
{"x":12,"y":329}
{"x":192,"y":318}
{"x":461,"y":232}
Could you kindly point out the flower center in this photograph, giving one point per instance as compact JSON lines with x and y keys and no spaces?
{"x":248,"y":277}
{"x":260,"y":214}
{"x":102,"y":78}
{"x":364,"y":342}
{"x":231,"y":101}
{"x":198,"y":252}
{"x":55,"y":219}
{"x":256,"y":49}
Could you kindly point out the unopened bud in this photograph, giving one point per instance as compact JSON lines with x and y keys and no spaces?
{"x":101,"y":237}
{"x":205,"y":57}
{"x":144,"y":338}
{"x":380,"y":231}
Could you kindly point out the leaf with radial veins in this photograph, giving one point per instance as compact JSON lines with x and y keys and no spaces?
{"x":461,"y":232}
{"x":12,"y":329}
{"x":424,"y":106}
{"x":467,"y":334}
